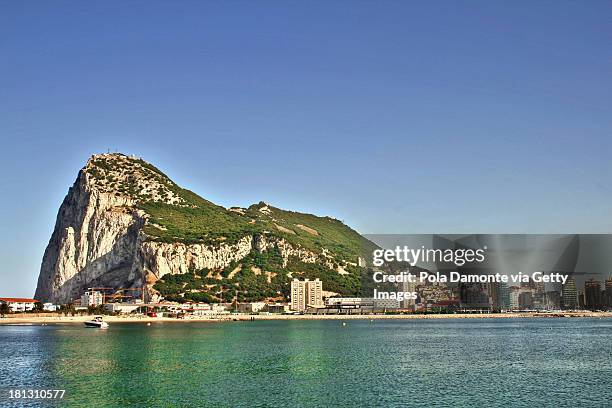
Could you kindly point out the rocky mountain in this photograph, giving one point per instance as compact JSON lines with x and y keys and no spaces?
{"x":125,"y":224}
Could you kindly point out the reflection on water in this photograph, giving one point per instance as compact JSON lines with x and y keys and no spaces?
{"x":518,"y":362}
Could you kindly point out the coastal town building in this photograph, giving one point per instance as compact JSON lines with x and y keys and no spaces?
{"x":608,"y":293}
{"x":277,"y":308}
{"x":50,"y":307}
{"x":504,"y":297}
{"x":593,"y":295}
{"x":409,"y":287}
{"x":514,"y":297}
{"x":92,"y":298}
{"x":569,"y":294}
{"x":305,"y":294}
{"x":200,"y":309}
{"x":525,"y":300}
{"x":475,"y":296}
{"x":121,"y":307}
{"x":195,"y":309}
{"x":444,"y":306}
{"x":361,"y":303}
{"x":553,"y":300}
{"x":251,"y":307}
{"x":19,"y":304}
{"x":581,"y":299}
{"x":386,"y":304}
{"x":349,"y":302}
{"x":494,"y":292}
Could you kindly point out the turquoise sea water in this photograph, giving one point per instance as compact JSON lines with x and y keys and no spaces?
{"x":392,"y":363}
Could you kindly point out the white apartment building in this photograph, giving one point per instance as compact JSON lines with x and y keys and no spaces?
{"x":409,"y":287}
{"x":92,"y":298}
{"x":305,"y":294}
{"x":514,"y":298}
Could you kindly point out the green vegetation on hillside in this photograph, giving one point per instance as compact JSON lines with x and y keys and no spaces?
{"x":331,"y":234}
{"x":179,"y":215}
{"x":198,"y":221}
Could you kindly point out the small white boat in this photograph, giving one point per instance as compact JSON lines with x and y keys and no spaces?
{"x":96,"y":322}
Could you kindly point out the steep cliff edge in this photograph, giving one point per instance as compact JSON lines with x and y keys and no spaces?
{"x":124,"y":224}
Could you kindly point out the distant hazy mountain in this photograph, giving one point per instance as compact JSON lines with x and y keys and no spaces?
{"x":125,"y":224}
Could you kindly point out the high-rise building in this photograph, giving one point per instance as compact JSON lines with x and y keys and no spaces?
{"x":592,"y":294}
{"x":500,"y":295}
{"x":608,"y":293}
{"x":409,"y":287}
{"x":494,"y":294}
{"x":514,"y":297}
{"x":474,"y":295}
{"x":539,"y":296}
{"x":305,"y":294}
{"x":553,"y":300}
{"x":569,"y":294}
{"x":581,"y":299}
{"x":504,"y":296}
{"x":525,"y":300}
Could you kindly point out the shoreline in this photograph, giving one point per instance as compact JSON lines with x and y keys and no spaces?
{"x":34,"y":320}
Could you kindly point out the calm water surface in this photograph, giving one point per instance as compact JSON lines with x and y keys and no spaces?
{"x":398,"y":363}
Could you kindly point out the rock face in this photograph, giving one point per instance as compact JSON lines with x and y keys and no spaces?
{"x":94,"y":243}
{"x":100,"y":237}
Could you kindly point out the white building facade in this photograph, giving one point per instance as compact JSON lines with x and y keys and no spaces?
{"x":92,"y":298}
{"x":305,"y":294}
{"x":19,"y":304}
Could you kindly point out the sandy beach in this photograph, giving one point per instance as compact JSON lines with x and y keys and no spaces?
{"x":41,"y":319}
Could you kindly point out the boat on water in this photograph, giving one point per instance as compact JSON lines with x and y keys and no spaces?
{"x":97,"y":322}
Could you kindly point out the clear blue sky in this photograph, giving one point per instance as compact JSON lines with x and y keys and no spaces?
{"x":396,"y":117}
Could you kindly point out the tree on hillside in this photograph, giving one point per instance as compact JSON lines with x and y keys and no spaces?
{"x":4,"y":309}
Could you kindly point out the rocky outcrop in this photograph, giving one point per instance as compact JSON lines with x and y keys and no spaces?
{"x":102,"y":236}
{"x":98,"y":242}
{"x":98,"y":239}
{"x":94,"y":242}
{"x":161,"y":258}
{"x":286,"y":250}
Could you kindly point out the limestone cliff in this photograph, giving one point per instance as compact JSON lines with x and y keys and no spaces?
{"x":124,"y":224}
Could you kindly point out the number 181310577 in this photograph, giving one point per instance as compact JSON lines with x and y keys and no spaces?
{"x":36,"y":394}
